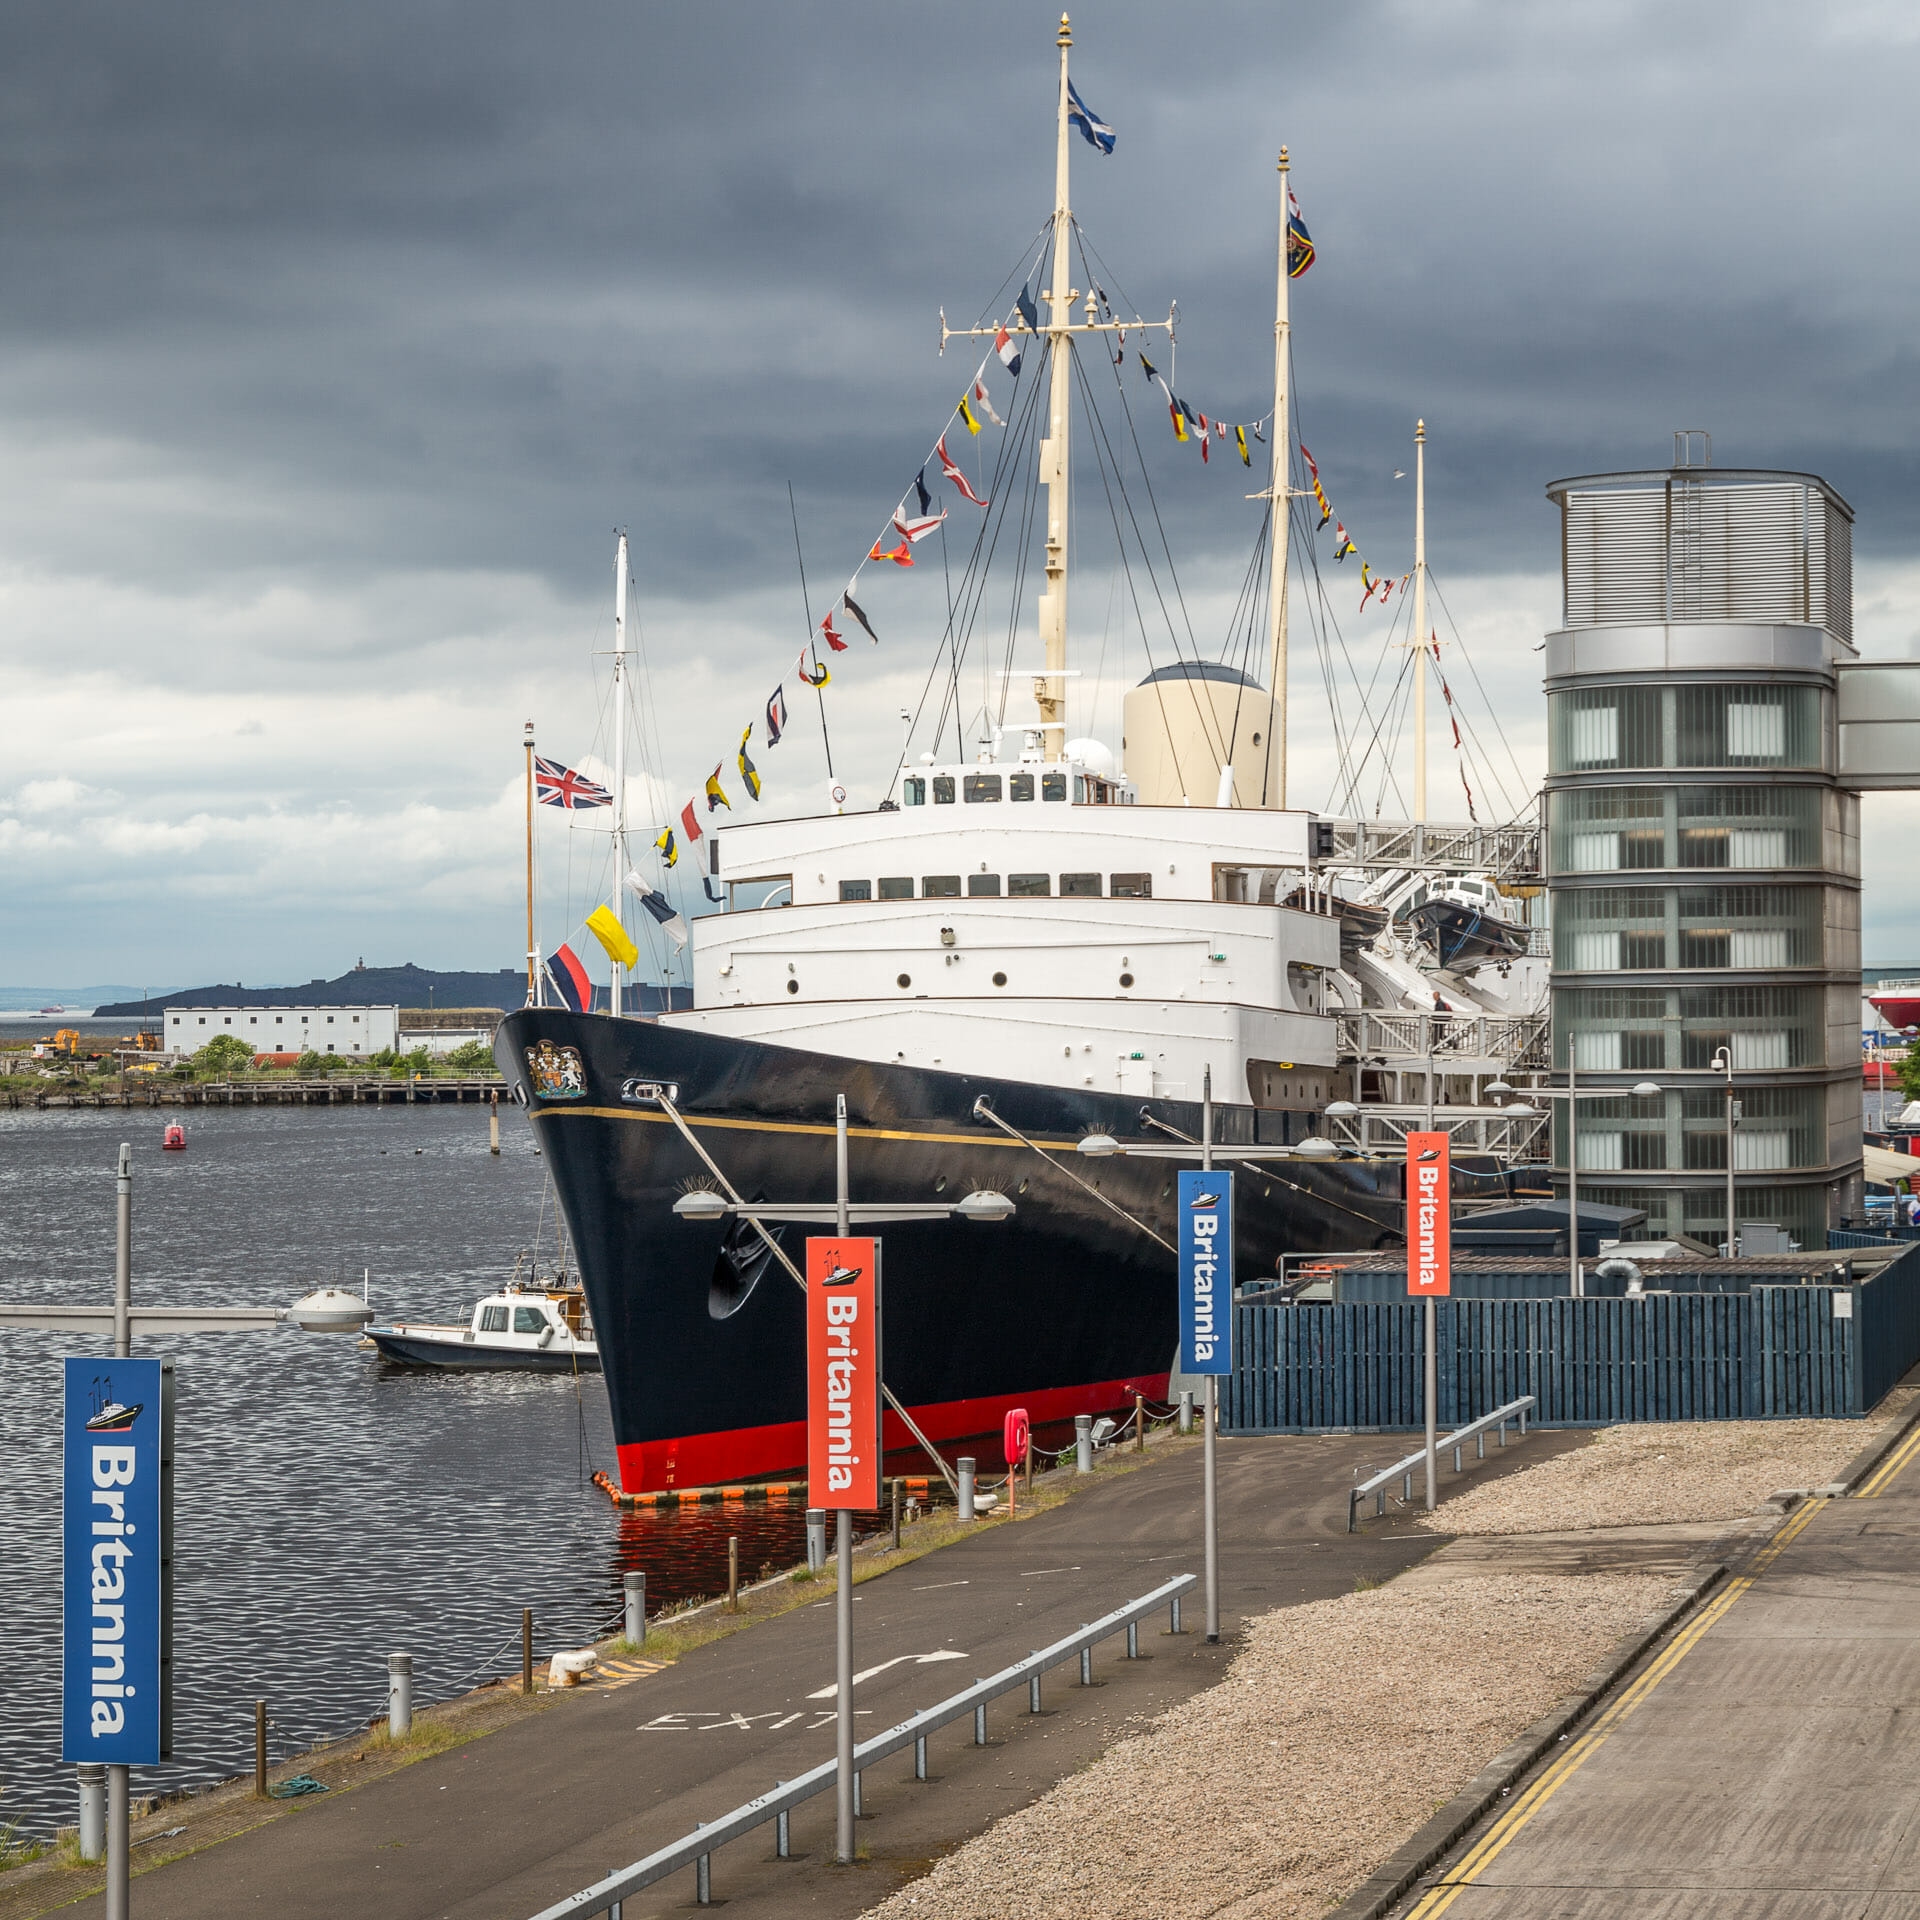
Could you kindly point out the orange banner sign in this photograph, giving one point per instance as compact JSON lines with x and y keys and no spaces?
{"x":843,"y":1374}
{"x":1429,"y":1216}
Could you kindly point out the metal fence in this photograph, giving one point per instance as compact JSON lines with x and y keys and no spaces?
{"x":1773,"y":1353}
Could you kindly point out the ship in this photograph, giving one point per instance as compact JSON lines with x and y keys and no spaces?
{"x":1009,"y":956}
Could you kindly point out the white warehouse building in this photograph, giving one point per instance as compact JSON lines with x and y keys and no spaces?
{"x":348,"y":1030}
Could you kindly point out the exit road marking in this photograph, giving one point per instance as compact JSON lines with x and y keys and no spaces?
{"x":903,"y":1659}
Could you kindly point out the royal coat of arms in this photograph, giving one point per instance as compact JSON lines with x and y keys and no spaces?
{"x":556,"y":1072}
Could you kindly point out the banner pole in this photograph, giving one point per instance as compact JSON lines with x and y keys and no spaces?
{"x":119,"y":1876}
{"x":1210,"y":1456}
{"x":1433,"y":1383}
{"x":843,"y":1730}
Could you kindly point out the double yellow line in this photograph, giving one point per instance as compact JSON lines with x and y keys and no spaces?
{"x":1584,"y":1746}
{"x":1882,"y":1475}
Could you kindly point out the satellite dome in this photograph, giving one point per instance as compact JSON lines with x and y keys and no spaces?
{"x":1095,"y":755}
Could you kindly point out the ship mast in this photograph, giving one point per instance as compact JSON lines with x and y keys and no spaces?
{"x":619,"y":754}
{"x":1050,"y":691}
{"x":1277,"y":538}
{"x":1420,"y":620}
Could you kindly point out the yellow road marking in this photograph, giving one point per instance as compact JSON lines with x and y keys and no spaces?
{"x":1585,"y":1745}
{"x":1883,"y":1475}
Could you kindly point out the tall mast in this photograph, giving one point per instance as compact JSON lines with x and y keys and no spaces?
{"x":1420,"y":619}
{"x":1277,"y":536}
{"x":619,"y":753}
{"x":1050,"y":692}
{"x":533,"y":951}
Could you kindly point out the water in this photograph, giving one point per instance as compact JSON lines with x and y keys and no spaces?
{"x":329,"y":1509}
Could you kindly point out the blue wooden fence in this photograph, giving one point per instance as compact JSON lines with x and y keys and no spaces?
{"x":1774,"y":1353}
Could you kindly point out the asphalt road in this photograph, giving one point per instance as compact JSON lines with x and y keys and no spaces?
{"x":504,"y":1826}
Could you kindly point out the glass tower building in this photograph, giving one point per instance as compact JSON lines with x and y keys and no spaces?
{"x":1703,"y":860}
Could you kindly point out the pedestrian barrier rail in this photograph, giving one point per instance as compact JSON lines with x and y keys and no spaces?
{"x":1515,"y":1411}
{"x":697,"y":1849}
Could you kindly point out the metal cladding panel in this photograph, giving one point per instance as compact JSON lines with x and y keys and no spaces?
{"x":1878,"y":706}
{"x":1699,"y":550}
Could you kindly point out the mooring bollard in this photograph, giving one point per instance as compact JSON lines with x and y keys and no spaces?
{"x":526,"y":1649}
{"x":1186,"y":1413}
{"x":816,"y":1538}
{"x":1139,"y":1423}
{"x":399,"y":1695}
{"x":636,"y":1585}
{"x":1083,"y":1443}
{"x":493,"y":1121}
{"x":93,"y":1812}
{"x":733,"y":1573}
{"x":895,"y":1484}
{"x":260,"y":1749}
{"x":968,"y":1468}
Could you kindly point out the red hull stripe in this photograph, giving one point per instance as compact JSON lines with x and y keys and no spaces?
{"x":755,"y":1453}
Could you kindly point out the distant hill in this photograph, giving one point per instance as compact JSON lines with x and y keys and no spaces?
{"x":407,"y":986}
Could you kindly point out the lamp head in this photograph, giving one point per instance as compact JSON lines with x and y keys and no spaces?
{"x":1316,"y":1147}
{"x":1645,"y":1090}
{"x":1341,"y":1110}
{"x":985,"y":1204}
{"x":700,"y":1205}
{"x":1521,"y":1111}
{"x":1497,"y":1087}
{"x":1098,"y":1146}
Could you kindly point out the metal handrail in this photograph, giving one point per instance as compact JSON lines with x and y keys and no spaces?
{"x":605,"y":1896}
{"x":1402,"y":1470}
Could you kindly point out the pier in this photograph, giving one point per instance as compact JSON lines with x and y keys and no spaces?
{"x":329,"y":1090}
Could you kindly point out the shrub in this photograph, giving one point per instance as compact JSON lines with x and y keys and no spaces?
{"x":473,"y":1057}
{"x":224,"y":1053}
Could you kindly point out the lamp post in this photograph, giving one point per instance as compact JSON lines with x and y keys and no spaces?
{"x":842,"y":1214}
{"x":1723,"y":1063}
{"x":1640,"y":1090}
{"x":327,"y":1310}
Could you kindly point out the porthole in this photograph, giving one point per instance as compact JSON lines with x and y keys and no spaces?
{"x":1126,"y":979}
{"x":793,"y":986}
{"x":940,"y":1184}
{"x":905,"y":980}
{"x":999,"y":979}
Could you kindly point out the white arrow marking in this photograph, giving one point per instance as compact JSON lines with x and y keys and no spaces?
{"x":903,"y":1659}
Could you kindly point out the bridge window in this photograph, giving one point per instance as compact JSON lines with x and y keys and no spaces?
{"x":943,"y":789}
{"x":493,"y":1319}
{"x":1020,"y":786}
{"x":1029,"y":886}
{"x":1131,"y":886}
{"x":983,"y":886}
{"x":1053,"y":786}
{"x":896,"y":888}
{"x":940,"y":886}
{"x":1083,"y":886}
{"x":982,"y":786}
{"x":856,"y":889}
{"x":913,"y":790}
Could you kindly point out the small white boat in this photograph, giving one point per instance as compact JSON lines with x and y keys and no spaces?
{"x":531,"y":1327}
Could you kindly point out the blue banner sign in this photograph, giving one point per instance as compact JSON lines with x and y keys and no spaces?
{"x":118,"y":1483}
{"x":1206,"y":1272}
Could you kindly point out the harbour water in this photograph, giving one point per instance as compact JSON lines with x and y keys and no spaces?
{"x":329,"y":1509}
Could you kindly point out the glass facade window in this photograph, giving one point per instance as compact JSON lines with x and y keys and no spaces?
{"x":1591,"y":729}
{"x":1664,"y":1029}
{"x":1702,"y":1211}
{"x":1619,"y":829}
{"x":1646,"y":929}
{"x":1780,"y":1129}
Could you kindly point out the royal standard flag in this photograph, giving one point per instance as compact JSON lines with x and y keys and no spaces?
{"x":1299,"y":240}
{"x":604,"y":924}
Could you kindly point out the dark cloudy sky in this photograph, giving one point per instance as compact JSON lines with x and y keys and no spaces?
{"x":335,"y":341}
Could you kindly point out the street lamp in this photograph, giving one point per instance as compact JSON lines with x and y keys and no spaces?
{"x":1640,"y":1090}
{"x":1723,"y":1063}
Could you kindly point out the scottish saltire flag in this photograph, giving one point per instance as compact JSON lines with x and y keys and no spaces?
{"x":1098,"y":133}
{"x":570,"y":980}
{"x":558,"y":786}
{"x":1299,"y":240}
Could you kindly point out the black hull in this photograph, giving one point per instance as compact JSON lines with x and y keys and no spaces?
{"x":1063,"y":1308}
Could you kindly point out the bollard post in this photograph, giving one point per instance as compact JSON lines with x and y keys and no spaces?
{"x":1176,"y":1627}
{"x":783,"y":1836}
{"x":93,"y":1812}
{"x":967,"y":1470}
{"x":399,"y":1695}
{"x":733,"y":1573}
{"x":1186,"y":1412}
{"x":1086,"y":1666}
{"x":816,"y":1538}
{"x":979,"y":1726}
{"x":493,"y":1121}
{"x":259,"y":1749}
{"x":526,"y":1649}
{"x":636,"y":1586}
{"x":1083,"y":1443}
{"x":1133,"y":1639}
{"x":920,"y":1758}
{"x":895,"y":1484}
{"x":1139,"y":1423}
{"x":1027,"y":1464}
{"x":1033,"y":1694}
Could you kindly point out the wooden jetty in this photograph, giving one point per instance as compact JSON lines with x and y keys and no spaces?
{"x":325,"y":1090}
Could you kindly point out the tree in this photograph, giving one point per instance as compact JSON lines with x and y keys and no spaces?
{"x":224,"y":1053}
{"x":1907,"y":1072}
{"x":474,"y":1057}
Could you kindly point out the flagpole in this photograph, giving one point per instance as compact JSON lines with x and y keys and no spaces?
{"x":1050,"y":693}
{"x":533,"y":951}
{"x":1420,"y":619}
{"x":619,"y":756}
{"x":1277,"y":537}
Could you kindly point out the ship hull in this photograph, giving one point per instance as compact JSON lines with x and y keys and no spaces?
{"x":1066,"y":1308}
{"x":403,"y":1349}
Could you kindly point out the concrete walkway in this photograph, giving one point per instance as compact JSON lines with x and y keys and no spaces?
{"x":505,"y":1825}
{"x":1764,"y":1763}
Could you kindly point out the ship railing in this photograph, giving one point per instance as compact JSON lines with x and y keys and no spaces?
{"x":697,"y":1849}
{"x":1510,"y":1041}
{"x":1382,"y":1130}
{"x":1512,"y":852}
{"x":1514,"y":1412}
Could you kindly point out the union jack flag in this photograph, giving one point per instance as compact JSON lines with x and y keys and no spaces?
{"x":558,"y":786}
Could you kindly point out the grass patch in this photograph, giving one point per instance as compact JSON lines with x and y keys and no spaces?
{"x":18,"y":1850}
{"x":422,"y":1738}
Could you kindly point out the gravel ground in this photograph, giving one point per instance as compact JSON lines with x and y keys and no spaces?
{"x":1339,"y":1727}
{"x":1649,"y":1475}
